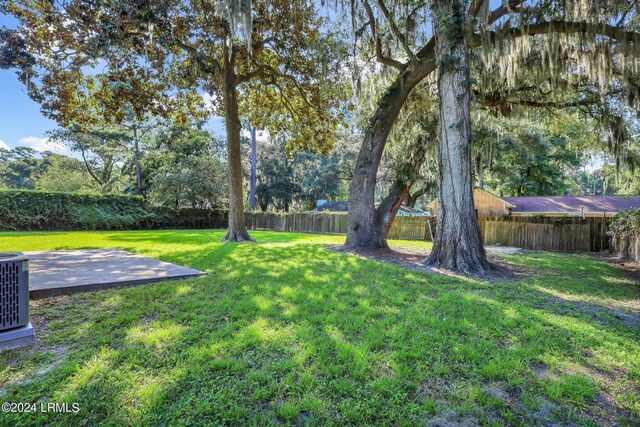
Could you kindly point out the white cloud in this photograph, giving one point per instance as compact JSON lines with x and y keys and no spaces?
{"x":3,"y":145}
{"x":43,"y":144}
{"x":210,"y":101}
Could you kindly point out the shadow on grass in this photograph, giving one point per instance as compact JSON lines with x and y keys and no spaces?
{"x":579,"y":276}
{"x":299,"y":334}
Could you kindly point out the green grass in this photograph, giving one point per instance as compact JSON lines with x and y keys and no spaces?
{"x":287,"y":332}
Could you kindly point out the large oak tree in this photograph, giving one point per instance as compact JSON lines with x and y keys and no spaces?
{"x":549,"y":45}
{"x":85,"y":60}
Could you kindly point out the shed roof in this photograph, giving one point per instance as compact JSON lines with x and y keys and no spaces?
{"x":573,"y":204}
{"x":410,"y":210}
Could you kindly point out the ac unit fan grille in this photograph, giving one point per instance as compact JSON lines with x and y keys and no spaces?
{"x":9,"y":295}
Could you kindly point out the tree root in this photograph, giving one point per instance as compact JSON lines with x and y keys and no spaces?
{"x":237,"y":236}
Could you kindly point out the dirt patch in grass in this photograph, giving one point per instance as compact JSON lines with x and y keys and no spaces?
{"x":540,"y":369}
{"x":451,"y":418}
{"x":630,"y":268}
{"x":433,"y":388}
{"x":38,"y":371}
{"x":17,"y":356}
{"x":603,"y":407}
{"x":503,"y":392}
{"x":39,"y":321}
{"x":606,"y":411}
{"x":413,"y":259}
{"x":40,"y":325}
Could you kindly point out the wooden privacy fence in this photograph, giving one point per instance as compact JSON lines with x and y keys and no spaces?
{"x":403,"y":227}
{"x":412,"y":228}
{"x":568,"y":234}
{"x":306,"y":222}
{"x":549,"y":237}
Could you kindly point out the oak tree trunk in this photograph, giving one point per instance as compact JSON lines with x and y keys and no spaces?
{"x":366,"y":223}
{"x":236,"y":231}
{"x":391,"y":204}
{"x":458,"y":243}
{"x":413,"y":198}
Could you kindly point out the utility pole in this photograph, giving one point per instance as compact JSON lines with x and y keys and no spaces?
{"x":252,"y":194}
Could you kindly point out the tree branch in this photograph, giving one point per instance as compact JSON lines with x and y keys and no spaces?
{"x":255,"y":74}
{"x":264,"y":71}
{"x":626,"y":12}
{"x":497,"y":99}
{"x":474,"y":7}
{"x":86,"y":164}
{"x":378,"y":43}
{"x":503,"y":10}
{"x":562,"y":27}
{"x":211,"y":68}
{"x":402,"y":39}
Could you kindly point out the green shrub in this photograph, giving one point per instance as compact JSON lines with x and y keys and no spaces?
{"x":24,"y":210}
{"x":625,"y":223}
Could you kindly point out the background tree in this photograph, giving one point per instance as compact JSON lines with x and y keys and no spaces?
{"x":64,"y":174}
{"x":187,"y":169}
{"x":102,"y":148}
{"x":276,"y":181}
{"x":20,"y":167}
{"x":103,"y":145}
{"x":136,"y":132}
{"x":517,"y":156}
{"x":327,"y":176}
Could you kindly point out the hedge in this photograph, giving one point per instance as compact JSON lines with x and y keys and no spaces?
{"x":625,"y":223}
{"x":24,"y":210}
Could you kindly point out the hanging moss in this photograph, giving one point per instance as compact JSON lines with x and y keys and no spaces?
{"x":559,"y":62}
{"x":238,"y":15}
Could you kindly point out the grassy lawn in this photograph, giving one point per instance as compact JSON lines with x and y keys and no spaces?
{"x":286,"y":332}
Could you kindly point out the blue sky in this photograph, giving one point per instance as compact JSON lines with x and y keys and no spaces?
{"x":22,"y":123}
{"x":20,"y":117}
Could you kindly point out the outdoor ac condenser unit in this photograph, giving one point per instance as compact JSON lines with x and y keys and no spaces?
{"x":14,"y":291}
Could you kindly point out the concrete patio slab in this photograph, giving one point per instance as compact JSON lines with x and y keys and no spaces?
{"x":55,"y":273}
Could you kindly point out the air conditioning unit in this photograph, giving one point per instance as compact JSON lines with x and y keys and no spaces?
{"x":15,"y":328}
